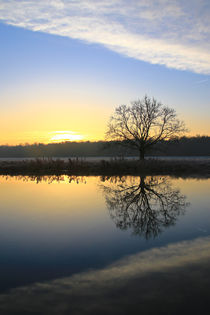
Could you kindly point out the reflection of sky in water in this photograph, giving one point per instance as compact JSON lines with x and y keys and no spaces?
{"x":51,"y":231}
{"x":174,"y":277}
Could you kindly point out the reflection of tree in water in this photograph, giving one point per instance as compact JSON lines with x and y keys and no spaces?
{"x":147,"y":205}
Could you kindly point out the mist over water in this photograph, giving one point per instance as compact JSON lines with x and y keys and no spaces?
{"x":108,"y":158}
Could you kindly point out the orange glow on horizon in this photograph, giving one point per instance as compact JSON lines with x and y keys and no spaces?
{"x":62,"y":136}
{"x":46,"y":137}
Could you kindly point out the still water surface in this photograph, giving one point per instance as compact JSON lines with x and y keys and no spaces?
{"x":93,"y":245}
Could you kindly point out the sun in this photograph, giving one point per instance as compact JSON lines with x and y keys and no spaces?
{"x":62,"y":136}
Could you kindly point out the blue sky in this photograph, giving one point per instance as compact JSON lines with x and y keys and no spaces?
{"x":67,"y":64}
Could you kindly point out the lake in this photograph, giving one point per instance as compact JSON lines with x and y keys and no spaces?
{"x":104,"y":245}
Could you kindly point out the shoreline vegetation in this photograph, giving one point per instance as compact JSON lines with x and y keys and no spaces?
{"x":112,"y":167}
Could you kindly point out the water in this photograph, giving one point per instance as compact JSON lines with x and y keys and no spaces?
{"x":93,"y":245}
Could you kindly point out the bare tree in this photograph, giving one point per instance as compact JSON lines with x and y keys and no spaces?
{"x":143,"y":124}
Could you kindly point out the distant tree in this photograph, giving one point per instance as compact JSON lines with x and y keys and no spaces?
{"x":143,"y":124}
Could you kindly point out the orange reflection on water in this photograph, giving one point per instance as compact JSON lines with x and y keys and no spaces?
{"x":50,"y":199}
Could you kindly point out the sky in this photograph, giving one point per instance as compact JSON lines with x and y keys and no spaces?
{"x":66,"y":65}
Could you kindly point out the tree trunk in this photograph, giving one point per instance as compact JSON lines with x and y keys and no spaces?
{"x":142,"y":184}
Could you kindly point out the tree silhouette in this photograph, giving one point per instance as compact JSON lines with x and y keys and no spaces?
{"x":143,"y":124}
{"x":147,"y":205}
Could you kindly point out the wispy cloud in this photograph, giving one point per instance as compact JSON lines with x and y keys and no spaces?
{"x":202,"y":81}
{"x":171,"y":33}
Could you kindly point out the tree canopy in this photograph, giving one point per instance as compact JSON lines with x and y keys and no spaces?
{"x":143,"y":124}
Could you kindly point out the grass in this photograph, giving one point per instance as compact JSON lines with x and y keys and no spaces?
{"x":112,"y":167}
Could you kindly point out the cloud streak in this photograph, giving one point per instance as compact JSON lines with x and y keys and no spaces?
{"x":171,"y":33}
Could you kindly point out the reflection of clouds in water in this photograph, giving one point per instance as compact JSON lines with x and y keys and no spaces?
{"x":179,"y":270}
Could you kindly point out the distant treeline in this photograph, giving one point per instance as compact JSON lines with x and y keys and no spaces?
{"x":185,"y":146}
